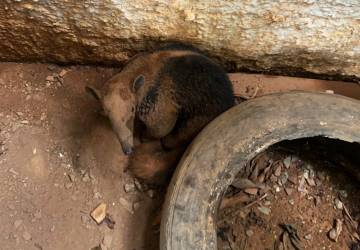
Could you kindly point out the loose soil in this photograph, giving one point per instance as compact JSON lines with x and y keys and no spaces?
{"x":290,"y":196}
{"x":59,"y":159}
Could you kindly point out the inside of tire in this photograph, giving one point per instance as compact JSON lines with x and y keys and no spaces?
{"x":299,"y":194}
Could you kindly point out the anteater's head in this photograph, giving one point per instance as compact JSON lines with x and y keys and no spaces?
{"x":118,"y":99}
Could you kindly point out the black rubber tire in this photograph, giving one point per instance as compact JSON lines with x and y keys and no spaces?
{"x":220,"y":151}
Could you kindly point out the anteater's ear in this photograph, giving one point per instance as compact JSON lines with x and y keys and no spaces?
{"x":138,"y":82}
{"x":95,"y":93}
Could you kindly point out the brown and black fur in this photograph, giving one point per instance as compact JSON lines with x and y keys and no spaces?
{"x":175,"y":91}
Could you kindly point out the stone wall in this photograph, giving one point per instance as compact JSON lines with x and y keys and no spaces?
{"x":319,"y":36}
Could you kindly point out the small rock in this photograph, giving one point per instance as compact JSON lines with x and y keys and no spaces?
{"x":127,"y":205}
{"x":50,"y":78}
{"x":287,"y":162}
{"x":52,"y":229}
{"x":338,"y":204}
{"x":249,"y":233}
{"x":138,"y":185}
{"x":129,"y":187}
{"x":27,"y":236}
{"x":301,"y":187}
{"x":317,"y":200}
{"x":62,"y":73}
{"x":252,"y":191}
{"x":308,"y":237}
{"x":284,"y":178}
{"x":277,"y":171}
{"x":68,"y":185}
{"x":289,"y":191}
{"x":97,"y":195}
{"x":291,"y":202}
{"x":277,"y":189}
{"x":99,"y":213}
{"x":264,"y":210}
{"x":17,"y":223}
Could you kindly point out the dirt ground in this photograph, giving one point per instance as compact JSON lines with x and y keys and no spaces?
{"x":297,"y":195}
{"x":59,"y":159}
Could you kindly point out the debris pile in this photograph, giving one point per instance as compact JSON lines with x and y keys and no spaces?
{"x":292,"y":198}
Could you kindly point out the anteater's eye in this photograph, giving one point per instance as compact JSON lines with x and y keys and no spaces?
{"x":138,"y":82}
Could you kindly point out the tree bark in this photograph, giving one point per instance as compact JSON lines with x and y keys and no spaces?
{"x":318,"y":36}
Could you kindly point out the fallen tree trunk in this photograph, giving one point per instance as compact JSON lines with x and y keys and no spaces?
{"x":321,"y":37}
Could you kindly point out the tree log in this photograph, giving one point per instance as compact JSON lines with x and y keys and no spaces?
{"x":317,"y":36}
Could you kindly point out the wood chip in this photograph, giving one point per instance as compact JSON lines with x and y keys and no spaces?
{"x":287,"y":162}
{"x":335,"y":232}
{"x":99,"y":213}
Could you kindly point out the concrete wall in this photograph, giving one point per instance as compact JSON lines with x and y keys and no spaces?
{"x":319,"y":36}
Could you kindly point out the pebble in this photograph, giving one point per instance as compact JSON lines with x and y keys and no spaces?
{"x":264,"y":210}
{"x":27,"y":236}
{"x":50,"y":78}
{"x":129,"y":187}
{"x":249,"y":233}
{"x":308,"y":237}
{"x":68,"y":185}
{"x":277,"y":171}
{"x":284,"y":178}
{"x":291,"y":202}
{"x":338,"y":204}
{"x":62,"y":73}
{"x":17,"y":223}
{"x":52,"y":229}
{"x":138,"y":185}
